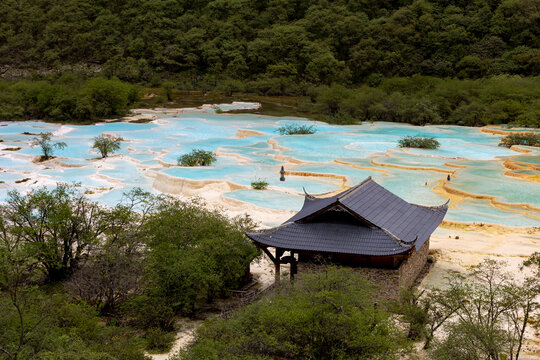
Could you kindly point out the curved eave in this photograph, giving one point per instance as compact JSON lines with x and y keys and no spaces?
{"x":330,"y":238}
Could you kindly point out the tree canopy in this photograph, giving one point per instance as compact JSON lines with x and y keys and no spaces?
{"x":315,"y":41}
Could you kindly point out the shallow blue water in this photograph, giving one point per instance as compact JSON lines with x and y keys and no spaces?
{"x":256,"y":158}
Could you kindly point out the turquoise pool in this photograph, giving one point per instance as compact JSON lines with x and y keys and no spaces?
{"x":351,"y":152}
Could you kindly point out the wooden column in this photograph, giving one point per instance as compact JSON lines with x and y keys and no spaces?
{"x":277,"y":266}
{"x":294,"y":264}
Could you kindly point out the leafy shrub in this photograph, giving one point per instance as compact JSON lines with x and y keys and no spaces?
{"x":106,"y":144}
{"x":328,"y":315}
{"x":195,"y":254}
{"x":159,"y":340}
{"x":259,"y":184}
{"x":197,"y":157}
{"x":148,"y":312}
{"x":341,"y":118}
{"x":419,"y":142}
{"x":528,"y":139}
{"x":297,"y":129}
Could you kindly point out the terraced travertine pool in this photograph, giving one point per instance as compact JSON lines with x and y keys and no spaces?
{"x":489,"y":184}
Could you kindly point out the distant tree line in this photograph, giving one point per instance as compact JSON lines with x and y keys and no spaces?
{"x":68,"y":98}
{"x":424,"y":100}
{"x":417,"y":100}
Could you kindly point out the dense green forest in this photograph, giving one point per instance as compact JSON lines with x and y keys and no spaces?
{"x":314,"y":41}
{"x":83,"y":281}
{"x":445,"y":61}
{"x":66,"y":98}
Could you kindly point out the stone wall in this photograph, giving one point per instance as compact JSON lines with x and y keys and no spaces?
{"x":389,"y":281}
{"x":411,"y":268}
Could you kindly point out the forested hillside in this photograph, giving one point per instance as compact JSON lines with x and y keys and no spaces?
{"x":440,"y":61}
{"x":346,"y":41}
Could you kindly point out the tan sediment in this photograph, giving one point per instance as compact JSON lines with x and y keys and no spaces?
{"x":275,"y":145}
{"x":55,"y":161}
{"x":376,"y":163}
{"x":511,"y":164}
{"x":165,"y":164}
{"x":519,"y":149}
{"x":459,"y":166}
{"x":456,"y":196}
{"x":174,"y":185}
{"x":288,"y":159}
{"x":489,"y":228}
{"x":244,"y":133}
{"x":455,"y":199}
{"x":113,"y":136}
{"x":239,"y":157}
{"x":341,"y":178}
{"x":526,"y":177}
{"x":361,"y":167}
{"x":495,"y":131}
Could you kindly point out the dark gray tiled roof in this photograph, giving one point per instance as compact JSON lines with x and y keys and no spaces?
{"x":336,"y":238}
{"x":397,"y":224}
{"x":408,"y":222}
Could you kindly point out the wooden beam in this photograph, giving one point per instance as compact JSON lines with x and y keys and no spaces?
{"x":268,"y":253}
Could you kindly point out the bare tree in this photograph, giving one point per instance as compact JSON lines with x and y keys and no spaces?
{"x":490,"y":311}
{"x":115,"y":270}
{"x":47,"y":146}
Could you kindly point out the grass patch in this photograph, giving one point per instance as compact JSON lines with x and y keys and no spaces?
{"x":297,"y":129}
{"x":527,"y":139}
{"x":419,"y":142}
{"x":259,"y":184}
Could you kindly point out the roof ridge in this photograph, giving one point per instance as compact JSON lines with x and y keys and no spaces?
{"x":398,"y":240}
{"x":308,"y":196}
{"x":267,"y":231}
{"x":347,"y":192}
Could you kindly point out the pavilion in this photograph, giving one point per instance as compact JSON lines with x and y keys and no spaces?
{"x":366,"y":225}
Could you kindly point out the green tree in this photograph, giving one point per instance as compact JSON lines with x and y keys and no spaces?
{"x":197,"y":157}
{"x":46,"y":145}
{"x":194,"y":254}
{"x":58,"y":227}
{"x":106,"y":144}
{"x":326,"y":315}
